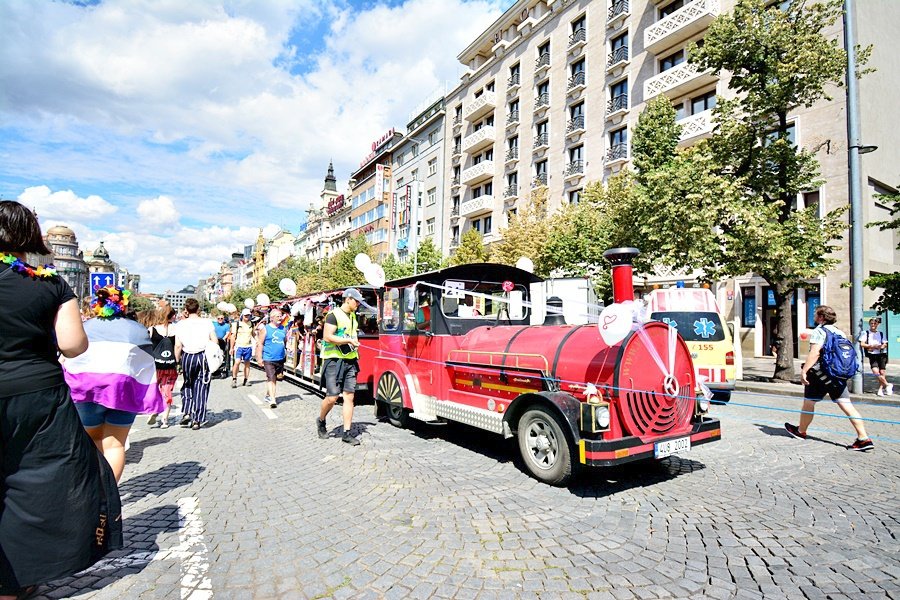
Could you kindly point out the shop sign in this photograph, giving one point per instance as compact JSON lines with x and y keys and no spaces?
{"x":335,"y":204}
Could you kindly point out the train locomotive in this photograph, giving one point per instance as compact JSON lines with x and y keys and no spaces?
{"x":457,"y":344}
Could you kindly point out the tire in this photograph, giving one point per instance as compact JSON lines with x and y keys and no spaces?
{"x":544,"y":446}
{"x":721,"y":396}
{"x":389,"y":395}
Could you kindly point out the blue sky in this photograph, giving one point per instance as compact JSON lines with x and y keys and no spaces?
{"x":174,"y":130}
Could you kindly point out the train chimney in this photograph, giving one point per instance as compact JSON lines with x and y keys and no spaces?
{"x":554,"y":311}
{"x":622,"y":259}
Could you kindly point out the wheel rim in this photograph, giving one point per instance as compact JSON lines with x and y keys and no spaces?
{"x":390,"y":393}
{"x":542,"y":443}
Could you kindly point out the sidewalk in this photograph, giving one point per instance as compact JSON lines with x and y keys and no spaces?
{"x":758,"y":378}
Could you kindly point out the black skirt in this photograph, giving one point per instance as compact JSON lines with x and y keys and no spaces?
{"x":59,"y":505}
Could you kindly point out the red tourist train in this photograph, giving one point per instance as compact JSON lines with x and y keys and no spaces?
{"x":458,"y":345}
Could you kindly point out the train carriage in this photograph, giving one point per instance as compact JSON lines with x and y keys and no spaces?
{"x":457,"y":345}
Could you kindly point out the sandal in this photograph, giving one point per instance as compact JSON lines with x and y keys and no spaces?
{"x":27,"y":592}
{"x":195,"y":426}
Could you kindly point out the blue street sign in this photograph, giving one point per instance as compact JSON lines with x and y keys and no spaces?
{"x":99,"y":280}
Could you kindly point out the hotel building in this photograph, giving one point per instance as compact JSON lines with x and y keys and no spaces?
{"x":553,"y":90}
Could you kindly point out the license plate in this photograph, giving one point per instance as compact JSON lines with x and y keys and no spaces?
{"x":670,"y":447}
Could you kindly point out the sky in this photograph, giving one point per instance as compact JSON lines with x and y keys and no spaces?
{"x":174,"y":130}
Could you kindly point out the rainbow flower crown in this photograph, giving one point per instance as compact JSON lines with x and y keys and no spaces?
{"x":17,"y":265}
{"x":110,"y":301}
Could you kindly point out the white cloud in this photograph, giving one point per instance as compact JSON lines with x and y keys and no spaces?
{"x":163,"y":99}
{"x":158,"y":212}
{"x":65,"y":204}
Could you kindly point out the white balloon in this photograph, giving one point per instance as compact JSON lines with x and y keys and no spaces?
{"x":223,"y":306}
{"x":362,"y":261}
{"x":615,"y":322}
{"x":262,"y":299}
{"x":249,"y":303}
{"x":374,"y":275}
{"x":232,"y":308}
{"x":297,"y":308}
{"x":288,"y":287}
{"x":526,"y":264}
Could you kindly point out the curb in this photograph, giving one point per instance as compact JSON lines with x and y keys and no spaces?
{"x":796,"y":390}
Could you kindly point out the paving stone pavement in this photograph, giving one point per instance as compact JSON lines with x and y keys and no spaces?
{"x":252,"y":506}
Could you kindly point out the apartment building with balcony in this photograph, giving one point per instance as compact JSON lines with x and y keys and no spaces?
{"x":372,"y":195}
{"x":561,"y":84}
{"x":327,"y":227}
{"x":418,"y":175}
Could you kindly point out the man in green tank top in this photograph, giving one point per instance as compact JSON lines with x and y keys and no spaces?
{"x":340,"y":358}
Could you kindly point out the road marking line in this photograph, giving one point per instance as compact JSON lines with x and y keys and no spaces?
{"x":195,"y":581}
{"x":265,"y":410}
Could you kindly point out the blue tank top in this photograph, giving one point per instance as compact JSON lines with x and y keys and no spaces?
{"x":273,"y":347}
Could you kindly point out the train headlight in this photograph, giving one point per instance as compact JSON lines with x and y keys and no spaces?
{"x":703,"y":404}
{"x":602,"y":416}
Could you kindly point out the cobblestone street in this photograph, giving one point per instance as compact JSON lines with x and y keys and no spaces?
{"x":255,"y":505}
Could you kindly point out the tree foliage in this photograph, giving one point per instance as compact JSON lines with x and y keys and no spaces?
{"x":428,"y":257}
{"x":471,"y":249}
{"x":525,"y":234}
{"x":889,"y":300}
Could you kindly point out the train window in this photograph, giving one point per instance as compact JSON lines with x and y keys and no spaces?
{"x":482,"y":299}
{"x":367,"y":317}
{"x":391,"y":310}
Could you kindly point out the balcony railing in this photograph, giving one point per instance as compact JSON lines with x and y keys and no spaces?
{"x":480,"y":139}
{"x":618,"y":55}
{"x":542,"y":61}
{"x":455,"y":181}
{"x":574,"y":168}
{"x":542,"y":101}
{"x":457,"y":149}
{"x":690,"y":19}
{"x":696,"y":126}
{"x":617,"y":152}
{"x":512,"y":154}
{"x":454,"y":210}
{"x":539,"y":180}
{"x":616,"y":104}
{"x":579,"y":36}
{"x":512,"y":117}
{"x":511,"y":191}
{"x":617,"y":9}
{"x":541,"y":140}
{"x":477,"y":206}
{"x":457,"y":121}
{"x":513,"y":81}
{"x":575,"y":124}
{"x":576,"y":81}
{"x":677,"y":81}
{"x":478,"y":172}
{"x":454,"y":242}
{"x":480,"y":106}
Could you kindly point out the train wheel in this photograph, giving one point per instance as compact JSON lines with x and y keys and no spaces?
{"x":544,"y":446}
{"x":390,"y":395}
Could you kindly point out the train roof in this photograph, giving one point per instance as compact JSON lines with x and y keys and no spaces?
{"x":470,"y":271}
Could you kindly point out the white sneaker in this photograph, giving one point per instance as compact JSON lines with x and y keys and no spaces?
{"x":890,"y":390}
{"x":880,"y":392}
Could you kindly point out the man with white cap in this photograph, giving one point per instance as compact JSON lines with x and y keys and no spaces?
{"x":242,"y":334}
{"x":340,"y":353}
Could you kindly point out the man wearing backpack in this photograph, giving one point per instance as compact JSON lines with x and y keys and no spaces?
{"x":874,"y":344}
{"x":830,"y":363}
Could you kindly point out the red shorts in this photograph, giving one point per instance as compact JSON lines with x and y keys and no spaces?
{"x":165,"y":379}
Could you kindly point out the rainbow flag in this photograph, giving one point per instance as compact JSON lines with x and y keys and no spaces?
{"x":118,"y":370}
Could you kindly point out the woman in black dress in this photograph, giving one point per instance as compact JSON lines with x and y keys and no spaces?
{"x":55,"y":489}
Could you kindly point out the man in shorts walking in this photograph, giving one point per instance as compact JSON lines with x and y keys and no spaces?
{"x":817,"y":384}
{"x":243,"y":336}
{"x":340,"y":356}
{"x":270,"y":351}
{"x":874,"y":345}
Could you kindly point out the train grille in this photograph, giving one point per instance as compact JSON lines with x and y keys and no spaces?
{"x":653,"y":413}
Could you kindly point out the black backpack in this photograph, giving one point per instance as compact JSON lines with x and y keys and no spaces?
{"x":163,"y":350}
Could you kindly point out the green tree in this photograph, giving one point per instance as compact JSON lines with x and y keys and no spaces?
{"x":428,"y":257}
{"x":471,"y":249}
{"x":140,"y":303}
{"x":341,"y":267}
{"x":778,"y":61}
{"x":889,"y":300}
{"x":526,"y":233}
{"x":394,"y":269}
